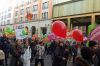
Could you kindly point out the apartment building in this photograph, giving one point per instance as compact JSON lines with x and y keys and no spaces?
{"x":42,"y":14}
{"x":15,"y":16}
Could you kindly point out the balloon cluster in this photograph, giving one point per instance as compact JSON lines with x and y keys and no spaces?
{"x":9,"y":32}
{"x":59,"y":29}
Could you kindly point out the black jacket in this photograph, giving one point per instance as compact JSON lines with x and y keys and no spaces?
{"x":58,"y":55}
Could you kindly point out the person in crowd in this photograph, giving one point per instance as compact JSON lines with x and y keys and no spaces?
{"x":32,"y":46}
{"x":6,"y":49}
{"x":98,"y":55}
{"x":95,"y":47}
{"x":39,"y":57}
{"x":85,"y":59}
{"x":74,"y":50}
{"x":89,"y":55}
{"x":27,"y":53}
{"x":2,"y":57}
{"x":16,"y":52}
{"x":53,"y":46}
{"x":60,"y":55}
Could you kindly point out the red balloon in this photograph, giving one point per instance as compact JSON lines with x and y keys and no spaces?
{"x":59,"y":29}
{"x":77,"y":35}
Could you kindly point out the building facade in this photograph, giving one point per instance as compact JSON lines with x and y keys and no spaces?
{"x":41,"y":11}
{"x":6,"y":17}
{"x":77,"y":13}
{"x":42,"y":14}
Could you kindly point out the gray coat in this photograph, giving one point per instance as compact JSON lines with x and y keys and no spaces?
{"x":39,"y":51}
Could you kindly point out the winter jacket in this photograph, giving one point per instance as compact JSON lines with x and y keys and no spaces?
{"x":81,"y":62}
{"x":59,"y":54}
{"x":26,"y":56}
{"x":16,"y":52}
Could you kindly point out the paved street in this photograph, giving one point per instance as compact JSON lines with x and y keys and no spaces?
{"x":48,"y":62}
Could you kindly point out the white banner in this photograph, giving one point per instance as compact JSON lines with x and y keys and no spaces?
{"x":19,"y":34}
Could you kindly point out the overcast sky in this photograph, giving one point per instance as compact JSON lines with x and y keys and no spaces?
{"x":3,"y":4}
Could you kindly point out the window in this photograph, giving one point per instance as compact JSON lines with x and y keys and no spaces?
{"x":34,"y":0}
{"x":16,"y":13}
{"x":45,"y":15}
{"x":4,"y":22}
{"x":45,"y":5}
{"x":35,"y":8}
{"x":15,"y":20}
{"x":5,"y":17}
{"x":5,"y":12}
{"x":9,"y":9}
{"x":21,"y":19}
{"x":34,"y":16}
{"x":2,"y":18}
{"x":16,"y":6}
{"x":9,"y":15}
{"x":29,"y":1}
{"x":28,"y":9}
{"x":22,"y":3}
{"x":22,"y":11}
{"x":8,"y":21}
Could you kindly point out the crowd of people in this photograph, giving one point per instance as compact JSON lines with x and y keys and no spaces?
{"x":23,"y":52}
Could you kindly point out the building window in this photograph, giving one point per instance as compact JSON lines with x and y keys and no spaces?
{"x":35,"y":8}
{"x":15,"y":20}
{"x":34,"y":16}
{"x":16,"y":13}
{"x":22,"y":3}
{"x":45,"y":15}
{"x":45,"y":5}
{"x":9,"y":15}
{"x":5,"y":17}
{"x":16,"y":6}
{"x":9,"y":9}
{"x":34,"y":0}
{"x":4,"y":23}
{"x":21,"y":11}
{"x":2,"y":18}
{"x":29,"y":1}
{"x":21,"y":19}
{"x":8,"y":21}
{"x":5,"y":12}
{"x":28,"y":9}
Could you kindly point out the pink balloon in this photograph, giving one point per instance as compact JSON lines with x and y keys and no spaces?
{"x":51,"y":36}
{"x":59,"y":29}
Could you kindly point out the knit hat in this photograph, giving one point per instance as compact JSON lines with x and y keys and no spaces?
{"x":92,"y":43}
